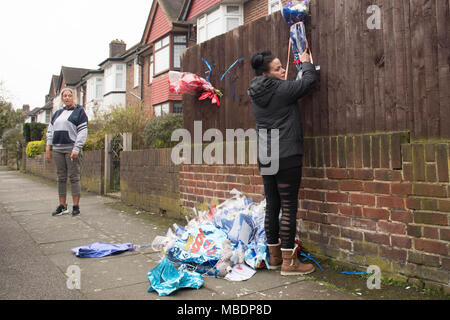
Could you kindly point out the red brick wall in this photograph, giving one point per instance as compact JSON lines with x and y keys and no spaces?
{"x":92,"y":169}
{"x":149,"y":180}
{"x":255,"y":9}
{"x":131,"y":99}
{"x":365,"y":200}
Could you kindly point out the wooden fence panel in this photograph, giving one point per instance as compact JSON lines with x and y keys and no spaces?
{"x":393,"y":79}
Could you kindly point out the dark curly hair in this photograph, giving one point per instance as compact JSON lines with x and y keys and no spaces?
{"x":261,"y":62}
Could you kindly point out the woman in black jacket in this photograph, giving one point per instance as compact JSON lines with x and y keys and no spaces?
{"x":275,"y":106}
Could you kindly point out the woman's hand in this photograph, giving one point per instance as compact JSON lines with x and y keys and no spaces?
{"x":74,"y":155}
{"x":305,"y":57}
{"x":48,"y":154}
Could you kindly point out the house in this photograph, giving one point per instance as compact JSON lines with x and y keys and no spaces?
{"x":212,"y":18}
{"x":162,"y":43}
{"x":93,"y":81}
{"x":114,"y":70}
{"x":69,"y":78}
{"x":30,"y":115}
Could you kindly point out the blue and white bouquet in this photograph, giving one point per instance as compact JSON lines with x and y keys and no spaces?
{"x":295,"y":14}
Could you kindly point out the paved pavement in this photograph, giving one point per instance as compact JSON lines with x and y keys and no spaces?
{"x":35,"y":253}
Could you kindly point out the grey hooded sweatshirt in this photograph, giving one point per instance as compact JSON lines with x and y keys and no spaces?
{"x":275,"y":106}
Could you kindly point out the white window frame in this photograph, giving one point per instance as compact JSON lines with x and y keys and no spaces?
{"x":151,"y":71}
{"x":99,"y":83}
{"x":161,"y":109}
{"x":271,"y":3}
{"x":119,"y":86}
{"x":173,"y":106}
{"x":218,"y":14}
{"x":162,"y":45}
{"x":175,"y":43}
{"x":136,"y":72}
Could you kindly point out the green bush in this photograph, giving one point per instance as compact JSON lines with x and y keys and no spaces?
{"x":158,"y":132}
{"x":35,"y":148}
{"x":36,"y":131}
{"x":26,"y":132}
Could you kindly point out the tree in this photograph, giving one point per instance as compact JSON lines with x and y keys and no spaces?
{"x":158,"y":133}
{"x":9,"y":117}
{"x":130,"y":119}
{"x":14,"y":142}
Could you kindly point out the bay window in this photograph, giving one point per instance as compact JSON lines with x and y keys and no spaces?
{"x":219,"y":21}
{"x":98,"y":88}
{"x":179,"y":44}
{"x":150,"y":71}
{"x":161,"y":109}
{"x":162,"y":55}
{"x":120,"y":77}
{"x":136,"y":72}
{"x":274,"y":6}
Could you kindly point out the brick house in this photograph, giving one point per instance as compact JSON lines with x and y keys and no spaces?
{"x":69,"y":78}
{"x":163,"y":40}
{"x":212,"y":18}
{"x":115,"y":73}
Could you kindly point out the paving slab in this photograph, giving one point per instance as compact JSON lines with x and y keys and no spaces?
{"x":32,"y":241}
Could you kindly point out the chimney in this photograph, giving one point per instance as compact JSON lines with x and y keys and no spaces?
{"x":26,"y":108}
{"x":117,"y":48}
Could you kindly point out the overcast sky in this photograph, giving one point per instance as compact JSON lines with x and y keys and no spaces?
{"x":38,"y":37}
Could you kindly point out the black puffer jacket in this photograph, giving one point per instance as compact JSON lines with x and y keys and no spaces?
{"x":275,"y":106}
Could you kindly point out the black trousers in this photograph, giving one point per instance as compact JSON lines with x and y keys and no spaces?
{"x":282,"y":193}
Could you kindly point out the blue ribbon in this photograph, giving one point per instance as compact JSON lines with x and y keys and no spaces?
{"x":309,"y":257}
{"x":231,"y":76}
{"x":209,"y":67}
{"x":358,"y":273}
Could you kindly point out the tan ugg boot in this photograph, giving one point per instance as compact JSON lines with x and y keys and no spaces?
{"x":292,"y":266}
{"x":275,"y":259}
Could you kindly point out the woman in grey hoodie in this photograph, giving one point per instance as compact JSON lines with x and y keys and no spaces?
{"x":275,"y":106}
{"x":66,"y":136}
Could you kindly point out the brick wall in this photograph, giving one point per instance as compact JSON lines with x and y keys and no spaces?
{"x":132,"y":92}
{"x":149,"y":180}
{"x":365,"y":200}
{"x":92,"y":170}
{"x":255,"y":9}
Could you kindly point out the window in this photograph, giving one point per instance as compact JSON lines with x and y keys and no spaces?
{"x":177,"y":107}
{"x":214,"y":24}
{"x":274,"y":6}
{"x":98,"y":88}
{"x":162,"y":55}
{"x":161,"y":109}
{"x":150,"y":71}
{"x":201,"y":29}
{"x":136,"y":72}
{"x":219,"y":21}
{"x":179,"y":44}
{"x":120,"y":79}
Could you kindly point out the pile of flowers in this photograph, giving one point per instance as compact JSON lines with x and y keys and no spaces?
{"x":189,"y":83}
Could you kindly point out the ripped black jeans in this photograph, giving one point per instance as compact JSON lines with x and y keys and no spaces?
{"x":282,"y":193}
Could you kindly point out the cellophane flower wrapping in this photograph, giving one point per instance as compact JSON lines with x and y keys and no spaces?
{"x":295,"y":13}
{"x":189,"y":83}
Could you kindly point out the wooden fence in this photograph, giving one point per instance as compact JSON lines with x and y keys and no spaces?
{"x":391,"y":79}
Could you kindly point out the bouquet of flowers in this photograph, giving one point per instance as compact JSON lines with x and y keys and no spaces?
{"x":295,"y":13}
{"x":189,"y":83}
